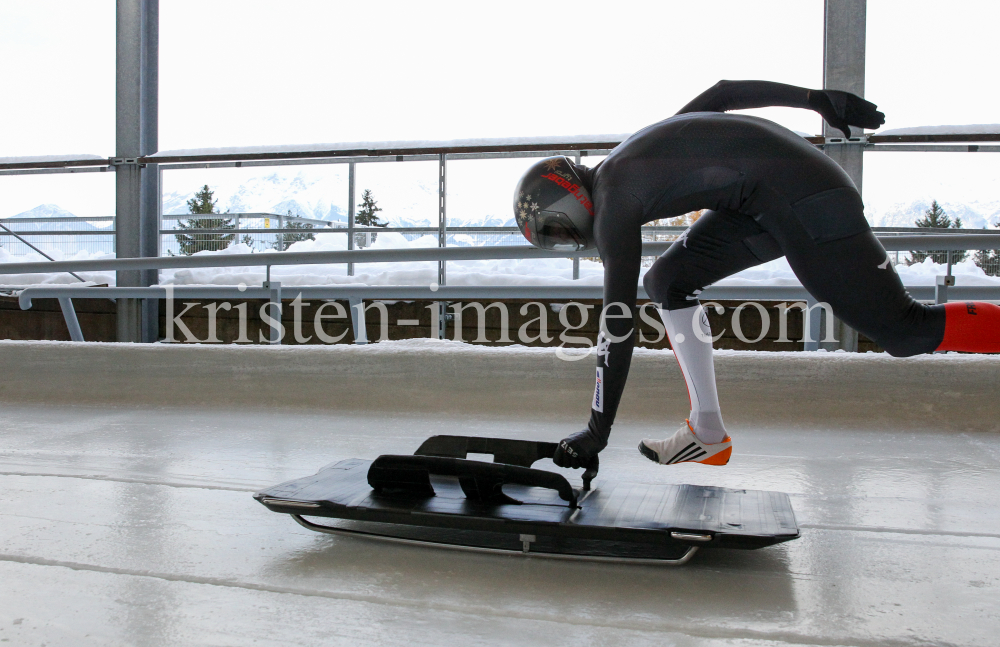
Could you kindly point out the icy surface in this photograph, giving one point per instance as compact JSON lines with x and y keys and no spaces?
{"x":124,"y":521}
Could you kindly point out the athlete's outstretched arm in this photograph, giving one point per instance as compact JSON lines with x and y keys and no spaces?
{"x":839,"y":109}
{"x":620,"y":246}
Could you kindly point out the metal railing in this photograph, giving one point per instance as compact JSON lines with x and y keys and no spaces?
{"x":272,"y":290}
{"x":457,"y":149}
{"x":442,"y":152}
{"x":936,"y":241}
{"x":256,"y":227}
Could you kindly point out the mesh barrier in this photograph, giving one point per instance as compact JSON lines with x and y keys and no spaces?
{"x":191,"y":240}
{"x":58,"y":245}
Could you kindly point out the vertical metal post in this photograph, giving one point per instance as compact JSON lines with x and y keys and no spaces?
{"x":576,"y":259}
{"x":275,"y":306}
{"x":151,"y":176}
{"x":844,"y":34}
{"x":350,"y":213}
{"x":943,"y":283}
{"x":281,"y":234}
{"x":941,"y":288}
{"x":136,"y":189}
{"x":159,"y":217}
{"x":69,"y":314}
{"x":812,"y":321}
{"x":442,"y":214}
{"x":358,"y":324}
{"x":442,"y":306}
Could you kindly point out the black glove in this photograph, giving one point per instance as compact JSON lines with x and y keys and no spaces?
{"x":580,"y":448}
{"x":843,"y":109}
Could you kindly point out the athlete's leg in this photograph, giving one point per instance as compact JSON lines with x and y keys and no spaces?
{"x":854,"y":276}
{"x":838,"y":259}
{"x":717,"y":245}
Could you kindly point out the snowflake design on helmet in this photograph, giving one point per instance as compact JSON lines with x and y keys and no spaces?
{"x":526,"y":208}
{"x":553,"y":164}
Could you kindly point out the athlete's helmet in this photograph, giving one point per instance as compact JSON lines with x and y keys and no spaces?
{"x":553,"y":208}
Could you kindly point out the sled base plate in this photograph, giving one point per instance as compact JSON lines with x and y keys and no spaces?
{"x":614,"y":520}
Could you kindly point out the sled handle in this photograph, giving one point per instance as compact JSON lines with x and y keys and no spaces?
{"x":504,"y":450}
{"x":410,"y":476}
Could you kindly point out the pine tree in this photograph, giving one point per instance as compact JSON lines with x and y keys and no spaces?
{"x":936,"y":218}
{"x":367,"y":216}
{"x":286,"y":239}
{"x":190,"y":243}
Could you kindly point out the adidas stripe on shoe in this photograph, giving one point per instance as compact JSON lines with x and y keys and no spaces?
{"x":684,"y":447}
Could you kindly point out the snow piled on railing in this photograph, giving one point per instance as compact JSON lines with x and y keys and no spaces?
{"x":396,"y":146}
{"x":963,"y":129}
{"x":39,"y":159}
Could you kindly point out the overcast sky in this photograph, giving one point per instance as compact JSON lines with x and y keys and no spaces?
{"x":246,"y":72}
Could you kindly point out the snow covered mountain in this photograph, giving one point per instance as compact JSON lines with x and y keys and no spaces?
{"x":45,"y":211}
{"x":406,"y":193}
{"x":55,"y":211}
{"x":308,"y":196}
{"x":975,"y":214}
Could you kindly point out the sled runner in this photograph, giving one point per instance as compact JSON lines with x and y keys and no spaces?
{"x":440,"y":497}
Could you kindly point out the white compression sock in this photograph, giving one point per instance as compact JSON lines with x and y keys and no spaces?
{"x":695,"y":358}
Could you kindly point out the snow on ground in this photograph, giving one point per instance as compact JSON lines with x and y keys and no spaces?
{"x":483,"y":272}
{"x":53,"y":278}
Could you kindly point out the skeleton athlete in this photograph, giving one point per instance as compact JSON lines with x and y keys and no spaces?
{"x":769,"y":193}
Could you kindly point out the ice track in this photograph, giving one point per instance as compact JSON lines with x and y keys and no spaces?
{"x":126,"y":516}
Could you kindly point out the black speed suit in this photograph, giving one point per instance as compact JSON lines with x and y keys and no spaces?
{"x":770,"y":194}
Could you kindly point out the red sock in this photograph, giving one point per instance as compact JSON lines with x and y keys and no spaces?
{"x":971,"y":326}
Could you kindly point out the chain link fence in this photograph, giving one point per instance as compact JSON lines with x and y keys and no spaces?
{"x":58,"y":236}
{"x":259,"y":231}
{"x":64,"y":237}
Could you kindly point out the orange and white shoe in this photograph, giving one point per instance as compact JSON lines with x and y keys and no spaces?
{"x":684,"y":447}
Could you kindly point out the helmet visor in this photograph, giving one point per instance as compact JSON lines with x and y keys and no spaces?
{"x":554,"y":230}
